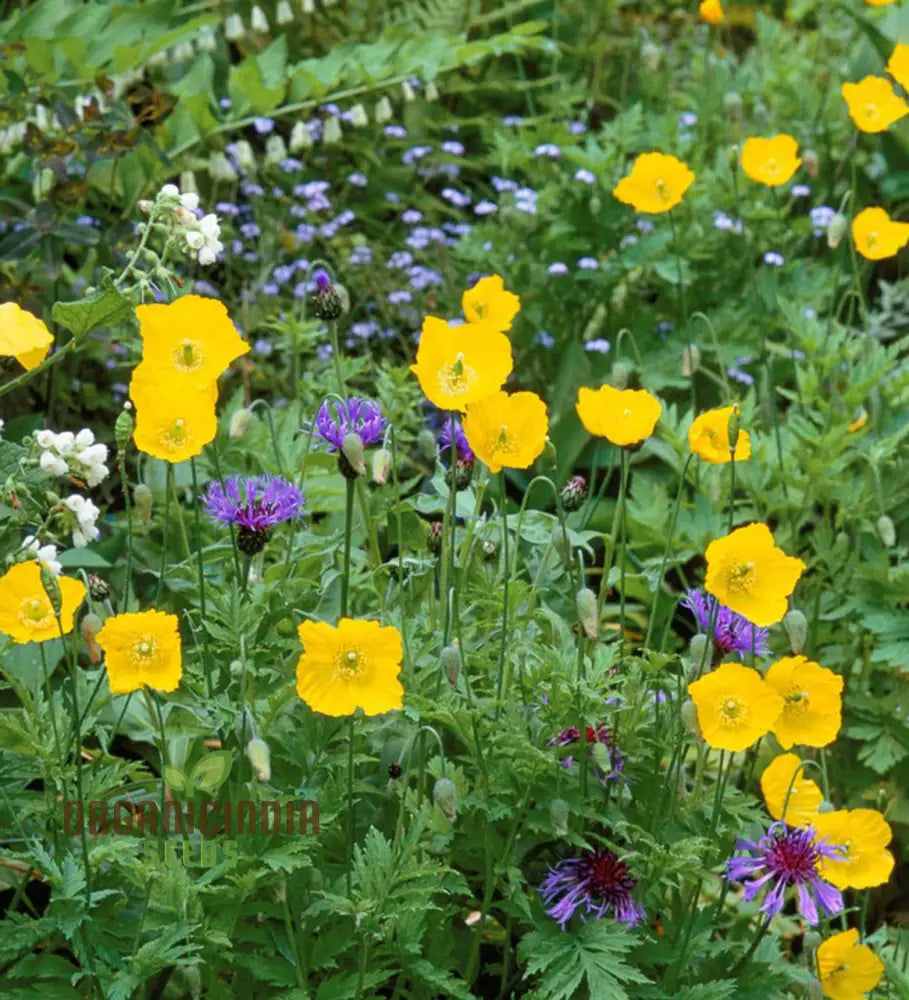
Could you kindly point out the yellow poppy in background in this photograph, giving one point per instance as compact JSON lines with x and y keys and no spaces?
{"x":873,"y":104}
{"x":771,"y":161}
{"x":623,"y":416}
{"x":877,"y":236}
{"x":23,"y":336}
{"x":489,"y":302}
{"x":657,"y":183}
{"x":26,"y":614}
{"x":847,"y":970}
{"x":507,"y":431}
{"x":708,"y":437}
{"x":711,"y":11}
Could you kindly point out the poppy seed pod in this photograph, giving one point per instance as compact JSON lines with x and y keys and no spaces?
{"x":381,"y":466}
{"x":51,"y":586}
{"x":142,"y":498}
{"x":588,"y":612}
{"x":796,"y":626}
{"x":123,"y":428}
{"x":886,"y":531}
{"x":445,"y":796}
{"x":352,"y":457}
{"x":733,"y":428}
{"x":559,"y":814}
{"x":260,"y":757}
{"x":450,"y":658}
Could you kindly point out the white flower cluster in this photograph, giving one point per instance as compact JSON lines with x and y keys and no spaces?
{"x":73,"y":454}
{"x":45,"y":554}
{"x":85,"y":529}
{"x":201,"y":236}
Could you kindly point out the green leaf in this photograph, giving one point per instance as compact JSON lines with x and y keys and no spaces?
{"x":212,"y":770}
{"x":104,"y":308}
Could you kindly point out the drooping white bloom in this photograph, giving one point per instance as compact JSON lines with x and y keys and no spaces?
{"x":45,"y":554}
{"x":258,"y":21}
{"x":85,"y":529}
{"x":220,"y":169}
{"x":383,"y":112}
{"x":284,"y":14}
{"x":300,"y":137}
{"x":332,"y":131}
{"x":233,"y":28}
{"x":275,"y":150}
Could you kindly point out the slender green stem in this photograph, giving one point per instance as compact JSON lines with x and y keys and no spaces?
{"x":500,"y":677}
{"x":154,"y":712}
{"x":178,"y":507}
{"x":351,"y":826}
{"x":26,"y":377}
{"x":731,"y":490}
{"x":164,"y":531}
{"x":50,"y":703}
{"x":683,"y":308}
{"x":348,"y":531}
{"x":124,"y":482}
{"x":624,"y":527}
{"x":206,"y":662}
{"x":292,"y":941}
{"x":669,"y":540}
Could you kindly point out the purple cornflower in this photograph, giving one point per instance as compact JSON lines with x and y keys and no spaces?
{"x":255,"y":505}
{"x":463,"y":451}
{"x":786,"y":857}
{"x":602,"y":734}
{"x":355,"y":416}
{"x":732,"y":632}
{"x":598,"y":881}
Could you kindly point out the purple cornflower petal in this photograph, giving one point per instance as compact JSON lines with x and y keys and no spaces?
{"x":463,"y":451}
{"x":594,"y":883}
{"x":787,"y":857}
{"x":255,"y":505}
{"x":732,"y":632}
{"x":358,"y":416}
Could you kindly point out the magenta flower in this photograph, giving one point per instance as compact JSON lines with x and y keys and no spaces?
{"x":787,"y":857}
{"x":732,"y":632}
{"x":595,"y":883}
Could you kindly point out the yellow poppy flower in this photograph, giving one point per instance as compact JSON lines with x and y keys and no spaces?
{"x":23,"y":336}
{"x":457,"y":365}
{"x":657,"y":183}
{"x":898,"y":65}
{"x":708,"y":437}
{"x":622,"y":416}
{"x":192,"y":337}
{"x":813,"y":696}
{"x":711,"y":11}
{"x":489,"y":303}
{"x":847,"y":970}
{"x":873,"y":104}
{"x":783,"y":785}
{"x":142,"y":649}
{"x":750,"y":575}
{"x":735,"y":706}
{"x":859,"y":422}
{"x":507,"y":430}
{"x":877,"y":236}
{"x":26,"y":614}
{"x":354,"y":665}
{"x":173,"y":426}
{"x":863,"y":836}
{"x":771,"y":161}
{"x":879,"y":3}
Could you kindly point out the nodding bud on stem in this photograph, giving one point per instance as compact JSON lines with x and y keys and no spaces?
{"x":450,"y":658}
{"x":732,"y":102}
{"x":381,"y":466}
{"x":689,"y":716}
{"x":691,"y":360}
{"x":560,"y":542}
{"x":354,"y":456}
{"x":91,"y":626}
{"x":588,"y":612}
{"x":574,"y":493}
{"x":651,"y":56}
{"x":734,"y":427}
{"x":559,"y":813}
{"x":142,"y":498}
{"x":621,"y":374}
{"x":445,"y":796}
{"x":260,"y":757}
{"x":123,"y":428}
{"x":697,"y":650}
{"x":240,"y":423}
{"x":836,"y":230}
{"x":51,"y":586}
{"x":810,"y":162}
{"x":886,"y":531}
{"x":796,"y":626}
{"x":434,"y":537}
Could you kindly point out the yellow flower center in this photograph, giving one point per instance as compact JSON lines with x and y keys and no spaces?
{"x":480,"y":309}
{"x":348,"y":664}
{"x":741,"y":578}
{"x":455,"y":379}
{"x":871,"y":112}
{"x":665,"y":195}
{"x":732,"y":711}
{"x":188,"y":355}
{"x":871,"y":240}
{"x":35,"y":613}
{"x":796,"y":702}
{"x":144,"y":649}
{"x":173,"y":436}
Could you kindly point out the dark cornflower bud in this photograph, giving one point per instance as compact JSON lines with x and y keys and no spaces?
{"x":463,"y":453}
{"x":489,"y":549}
{"x":434,"y":537}
{"x":98,"y":589}
{"x":123,"y":428}
{"x":574,"y":492}
{"x":51,"y":586}
{"x":326,"y":300}
{"x":394,"y":770}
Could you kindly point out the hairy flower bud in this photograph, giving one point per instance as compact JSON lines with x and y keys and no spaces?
{"x":886,"y":531}
{"x":651,"y":56}
{"x":260,"y":757}
{"x":732,"y":103}
{"x":621,"y":374}
{"x":240,"y":423}
{"x":445,"y":796}
{"x":381,"y":466}
{"x":836,"y":230}
{"x":697,"y":650}
{"x":574,"y":492}
{"x":434,"y":537}
{"x":559,"y":814}
{"x":123,"y":428}
{"x":810,"y":162}
{"x":450,"y":658}
{"x":331,"y":133}
{"x":51,"y":586}
{"x":691,"y":360}
{"x":383,"y":111}
{"x":91,"y":626}
{"x":689,"y":717}
{"x":352,"y":456}
{"x":588,"y":612}
{"x":796,"y":626}
{"x":142,"y":498}
{"x":733,"y":428}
